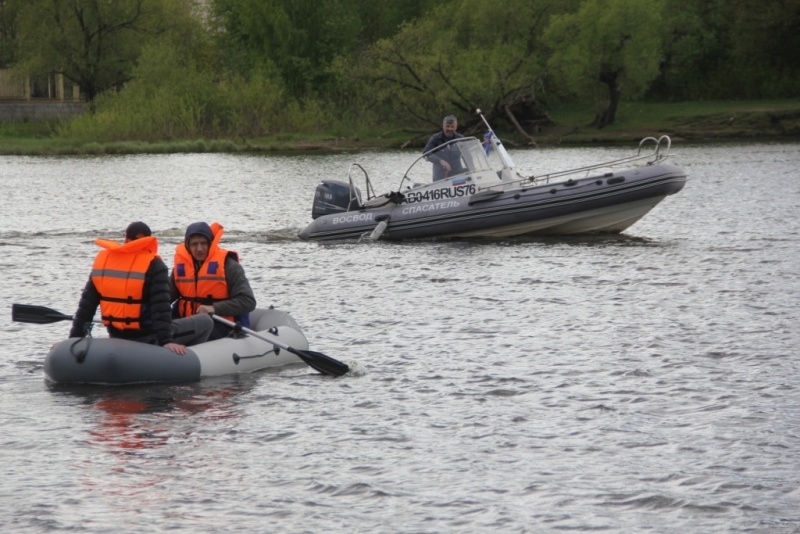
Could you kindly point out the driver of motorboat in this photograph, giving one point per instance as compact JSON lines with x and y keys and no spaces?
{"x":446,"y":162}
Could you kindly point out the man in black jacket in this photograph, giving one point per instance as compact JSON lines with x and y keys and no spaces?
{"x":446,"y":162}
{"x":147,"y":317}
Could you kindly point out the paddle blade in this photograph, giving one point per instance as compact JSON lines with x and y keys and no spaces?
{"x":321,"y":362}
{"x":28,"y":313}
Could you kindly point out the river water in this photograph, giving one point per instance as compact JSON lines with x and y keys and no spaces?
{"x":646,"y":382}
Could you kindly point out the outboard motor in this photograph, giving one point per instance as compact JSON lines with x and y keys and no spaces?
{"x":333,"y":196}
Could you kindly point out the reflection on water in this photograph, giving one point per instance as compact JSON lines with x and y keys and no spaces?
{"x":636,"y":383}
{"x":130,"y":421}
{"x":138,"y":439}
{"x":135,"y":418}
{"x":120,"y":429}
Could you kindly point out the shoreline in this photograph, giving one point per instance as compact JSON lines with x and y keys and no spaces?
{"x":751,"y":124}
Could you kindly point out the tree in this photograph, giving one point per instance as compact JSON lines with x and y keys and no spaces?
{"x":8,"y":32}
{"x":295,"y":39}
{"x":463,"y":55}
{"x":615,"y":43}
{"x":766,"y":49}
{"x":93,"y":43}
{"x":728,"y":49}
{"x":299,"y":40}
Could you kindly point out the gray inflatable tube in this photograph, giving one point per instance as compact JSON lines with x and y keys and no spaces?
{"x":107,"y":361}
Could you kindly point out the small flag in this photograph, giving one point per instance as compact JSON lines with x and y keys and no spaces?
{"x":487,"y":143}
{"x":459,"y":181}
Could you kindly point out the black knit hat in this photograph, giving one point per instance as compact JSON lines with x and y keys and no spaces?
{"x":136,"y":230}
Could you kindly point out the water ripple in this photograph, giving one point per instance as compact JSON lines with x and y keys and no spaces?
{"x":636,"y":383}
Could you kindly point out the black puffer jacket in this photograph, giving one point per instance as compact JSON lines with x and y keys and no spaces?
{"x":157,"y":314}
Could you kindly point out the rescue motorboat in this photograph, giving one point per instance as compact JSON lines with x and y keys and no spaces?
{"x":485,"y":196}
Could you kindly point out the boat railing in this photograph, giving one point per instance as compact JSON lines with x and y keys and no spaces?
{"x":370,"y":190}
{"x":659,"y":153}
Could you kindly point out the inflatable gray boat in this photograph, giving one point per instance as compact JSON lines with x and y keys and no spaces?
{"x":275,"y":340}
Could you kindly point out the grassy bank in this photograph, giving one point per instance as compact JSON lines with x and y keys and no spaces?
{"x":683,"y":121}
{"x":711,"y":121}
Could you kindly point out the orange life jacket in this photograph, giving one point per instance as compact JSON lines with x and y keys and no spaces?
{"x":118,"y":275}
{"x":207,"y":285}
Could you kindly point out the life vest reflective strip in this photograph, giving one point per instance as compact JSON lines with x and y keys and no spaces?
{"x":206,"y":286}
{"x":118,"y":274}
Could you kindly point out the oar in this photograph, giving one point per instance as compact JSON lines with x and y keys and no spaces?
{"x":321,"y":362}
{"x":28,"y":313}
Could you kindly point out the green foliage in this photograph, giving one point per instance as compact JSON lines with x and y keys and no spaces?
{"x":171,"y":96}
{"x":310,"y":115}
{"x":697,"y":43}
{"x":383,"y":18}
{"x":463,"y":55}
{"x":94,"y":44}
{"x":246,"y":69}
{"x":766,"y":48}
{"x":606,"y":46}
{"x":302,"y":40}
{"x":249,"y":108}
{"x":8,"y":32}
{"x":722,"y":49}
{"x":704,"y":121}
{"x":166,"y":99}
{"x":297,"y":39}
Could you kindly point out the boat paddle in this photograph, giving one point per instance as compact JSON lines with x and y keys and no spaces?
{"x":321,"y":362}
{"x":28,"y":313}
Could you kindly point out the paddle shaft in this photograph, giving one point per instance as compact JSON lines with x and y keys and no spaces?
{"x":321,"y":362}
{"x":258,"y":335}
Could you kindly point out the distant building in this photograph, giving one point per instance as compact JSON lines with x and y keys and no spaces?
{"x":48,"y":87}
{"x":35,"y":98}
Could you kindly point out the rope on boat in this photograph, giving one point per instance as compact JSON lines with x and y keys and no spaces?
{"x":87,"y":335}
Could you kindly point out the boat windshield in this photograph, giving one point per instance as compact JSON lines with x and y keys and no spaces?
{"x":458,"y":157}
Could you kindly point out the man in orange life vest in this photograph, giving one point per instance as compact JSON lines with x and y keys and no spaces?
{"x":130,"y":283}
{"x":209,"y":279}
